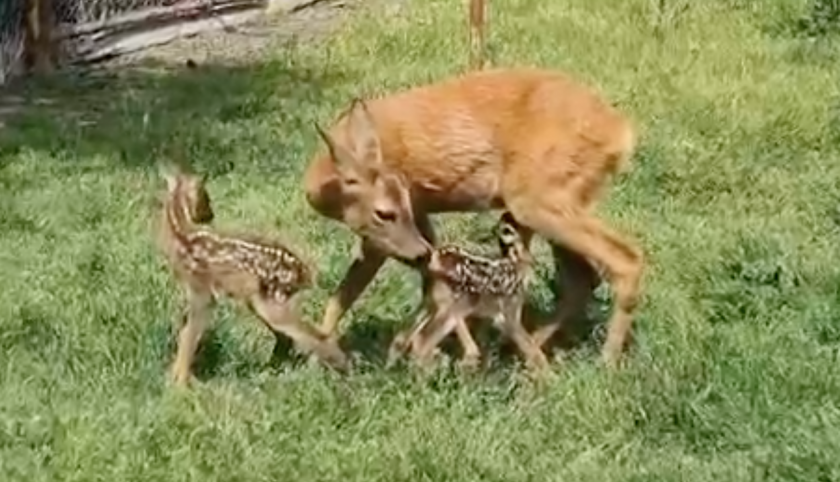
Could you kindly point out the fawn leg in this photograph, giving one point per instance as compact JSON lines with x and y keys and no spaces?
{"x":281,"y":317}
{"x":471,"y":355}
{"x":440,"y":324}
{"x":580,"y":232}
{"x":358,"y":277}
{"x":470,"y":351}
{"x":200,"y":303}
{"x":512,"y":327}
{"x":413,"y":338}
{"x":404,"y":338}
{"x":576,"y":281}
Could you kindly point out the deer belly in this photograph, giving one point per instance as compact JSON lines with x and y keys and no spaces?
{"x":468,"y":192}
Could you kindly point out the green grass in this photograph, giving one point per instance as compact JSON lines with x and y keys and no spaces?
{"x":734,"y":196}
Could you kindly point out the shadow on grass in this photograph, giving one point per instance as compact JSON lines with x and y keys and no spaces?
{"x":584,"y":334}
{"x":218,"y":352}
{"x":218,"y":355}
{"x":371,"y":337}
{"x":129,"y":114}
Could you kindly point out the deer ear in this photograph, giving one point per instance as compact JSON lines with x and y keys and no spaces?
{"x":362,"y":132}
{"x":344,"y":160}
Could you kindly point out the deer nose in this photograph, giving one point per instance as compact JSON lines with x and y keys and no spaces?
{"x":425,"y":257}
{"x":420,"y":260}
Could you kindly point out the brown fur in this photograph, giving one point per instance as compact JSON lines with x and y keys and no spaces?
{"x":263,"y":274}
{"x":532,"y":141}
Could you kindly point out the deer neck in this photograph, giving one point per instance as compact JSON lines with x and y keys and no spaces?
{"x":177,"y":218}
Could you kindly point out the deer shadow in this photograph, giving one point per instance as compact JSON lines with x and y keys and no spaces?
{"x":370,"y":337}
{"x":585,"y":333}
{"x":129,"y":115}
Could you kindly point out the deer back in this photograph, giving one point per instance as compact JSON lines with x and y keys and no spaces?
{"x":469,"y":143}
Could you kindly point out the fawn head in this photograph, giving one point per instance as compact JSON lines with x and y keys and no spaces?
{"x":376,"y":201}
{"x":187,"y":189}
{"x":513,"y":237}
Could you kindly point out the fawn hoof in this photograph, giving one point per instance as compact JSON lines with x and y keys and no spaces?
{"x":611,"y":356}
{"x":396,"y":350}
{"x":547,"y":332}
{"x":341,"y":364}
{"x":610,"y":361}
{"x":334,"y":357}
{"x":469,"y":363}
{"x":181,"y":379}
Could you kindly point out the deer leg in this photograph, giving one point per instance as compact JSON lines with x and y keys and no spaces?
{"x":576,"y":281}
{"x":470,"y":351}
{"x":587,"y":236}
{"x":512,"y":327}
{"x":357,"y":278}
{"x":200,"y":303}
{"x":281,"y":317}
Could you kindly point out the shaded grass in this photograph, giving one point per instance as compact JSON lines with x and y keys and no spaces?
{"x":733,"y":196}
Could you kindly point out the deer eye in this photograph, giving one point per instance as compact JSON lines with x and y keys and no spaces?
{"x":384,"y":216}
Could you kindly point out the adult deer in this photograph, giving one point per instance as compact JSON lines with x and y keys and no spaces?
{"x":532,"y":141}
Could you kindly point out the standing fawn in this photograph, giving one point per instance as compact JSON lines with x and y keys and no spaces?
{"x":264,"y":275}
{"x":464,"y":284}
{"x":531,"y":141}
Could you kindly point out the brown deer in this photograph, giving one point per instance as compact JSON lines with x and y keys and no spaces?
{"x":531,"y":141}
{"x":263,"y":274}
{"x":465,"y":284}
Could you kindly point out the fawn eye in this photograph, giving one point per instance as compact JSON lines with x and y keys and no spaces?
{"x":385,"y":216}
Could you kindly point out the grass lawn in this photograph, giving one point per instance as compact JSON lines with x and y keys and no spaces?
{"x":733,"y":195}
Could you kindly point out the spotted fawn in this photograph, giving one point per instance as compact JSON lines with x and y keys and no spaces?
{"x":264,"y":275}
{"x":465,"y":284}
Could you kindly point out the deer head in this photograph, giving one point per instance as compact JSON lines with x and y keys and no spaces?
{"x":187,"y":190}
{"x":376,"y":201}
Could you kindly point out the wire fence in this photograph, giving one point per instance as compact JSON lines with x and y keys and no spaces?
{"x":72,"y":19}
{"x":79,"y":11}
{"x":11,"y":38}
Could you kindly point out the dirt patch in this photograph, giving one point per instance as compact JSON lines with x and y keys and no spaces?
{"x":240,"y":45}
{"x":248,"y":42}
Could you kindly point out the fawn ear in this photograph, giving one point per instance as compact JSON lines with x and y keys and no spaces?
{"x":362,"y":132}
{"x":169,"y":171}
{"x":344,"y":160}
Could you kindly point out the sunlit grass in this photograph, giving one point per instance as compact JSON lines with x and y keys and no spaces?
{"x":733,"y":196}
